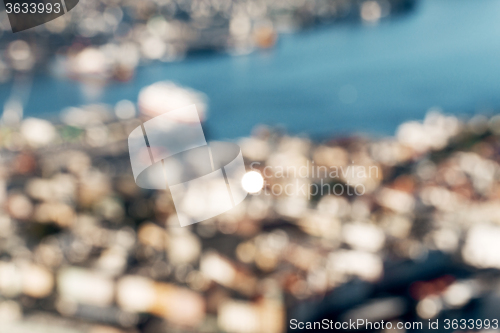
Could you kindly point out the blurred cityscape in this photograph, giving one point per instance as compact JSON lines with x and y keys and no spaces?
{"x":85,"y":250}
{"x":399,"y":228}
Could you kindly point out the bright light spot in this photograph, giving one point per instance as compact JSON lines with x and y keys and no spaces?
{"x":458,"y":294}
{"x":125,"y":109}
{"x":371,"y":11}
{"x":428,"y":307}
{"x":252,"y":182}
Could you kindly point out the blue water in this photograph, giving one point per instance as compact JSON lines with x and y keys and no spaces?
{"x":446,"y":53}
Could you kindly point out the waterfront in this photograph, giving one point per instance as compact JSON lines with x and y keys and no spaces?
{"x":330,"y":80}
